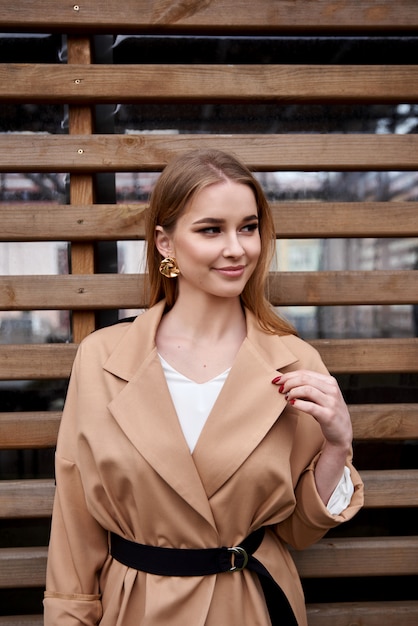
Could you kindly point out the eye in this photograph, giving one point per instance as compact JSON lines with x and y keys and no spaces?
{"x":249,"y":228}
{"x":210,"y":230}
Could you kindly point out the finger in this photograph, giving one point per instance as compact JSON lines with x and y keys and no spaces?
{"x":304,"y":377}
{"x":310,"y":394}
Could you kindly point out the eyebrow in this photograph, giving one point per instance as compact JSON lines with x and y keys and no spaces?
{"x":215,"y":220}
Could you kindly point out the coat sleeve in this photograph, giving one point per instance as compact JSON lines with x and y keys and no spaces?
{"x":311,"y":519}
{"x":78,"y":544}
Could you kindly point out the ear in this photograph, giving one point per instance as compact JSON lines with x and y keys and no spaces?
{"x":163,"y":242}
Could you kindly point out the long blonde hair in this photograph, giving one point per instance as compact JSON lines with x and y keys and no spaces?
{"x":182,"y":179}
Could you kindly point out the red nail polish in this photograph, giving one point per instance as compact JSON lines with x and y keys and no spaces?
{"x":281,"y":388}
{"x":276,"y":380}
{"x":292,"y":401}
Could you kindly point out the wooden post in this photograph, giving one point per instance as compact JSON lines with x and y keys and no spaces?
{"x":81,"y":188}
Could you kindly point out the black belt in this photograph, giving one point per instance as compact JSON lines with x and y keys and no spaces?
{"x":185,"y":561}
{"x":202,"y":562}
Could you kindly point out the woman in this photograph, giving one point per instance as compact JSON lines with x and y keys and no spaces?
{"x":200,"y":439}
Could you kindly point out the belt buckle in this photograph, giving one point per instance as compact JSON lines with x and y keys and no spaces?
{"x":238,"y":551}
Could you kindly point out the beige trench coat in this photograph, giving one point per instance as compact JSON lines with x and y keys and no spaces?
{"x":123,"y":465}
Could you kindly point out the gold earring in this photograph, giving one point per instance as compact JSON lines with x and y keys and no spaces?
{"x":169,"y":267}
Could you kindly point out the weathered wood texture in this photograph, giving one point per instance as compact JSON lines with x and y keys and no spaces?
{"x":293,"y":220}
{"x":36,"y":362}
{"x":343,"y":288}
{"x":80,"y":122}
{"x":19,"y":430}
{"x":26,"y":498}
{"x":128,"y":153}
{"x":359,"y":556}
{"x":390,"y":488}
{"x":369,"y":355}
{"x":21,"y":620}
{"x":387,"y":422}
{"x":211,"y":16}
{"x":208,"y":83}
{"x":362,"y":614}
{"x":22,"y":567}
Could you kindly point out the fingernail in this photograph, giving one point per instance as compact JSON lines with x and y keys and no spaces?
{"x":292,"y":401}
{"x":281,"y":388}
{"x":276,"y":380}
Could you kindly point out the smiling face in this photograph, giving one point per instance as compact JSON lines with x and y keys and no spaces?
{"x":216,"y":241}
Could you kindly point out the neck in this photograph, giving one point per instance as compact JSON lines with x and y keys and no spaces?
{"x":208,"y":320}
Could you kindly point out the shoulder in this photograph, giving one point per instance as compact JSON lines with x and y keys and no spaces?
{"x":123,"y":346}
{"x":307,"y":356}
{"x":103,"y":341}
{"x":109,"y":334}
{"x":296,"y":344}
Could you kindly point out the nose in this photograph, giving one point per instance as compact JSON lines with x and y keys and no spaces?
{"x":233,"y":247}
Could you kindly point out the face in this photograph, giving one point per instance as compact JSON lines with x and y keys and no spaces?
{"x":216,"y":241}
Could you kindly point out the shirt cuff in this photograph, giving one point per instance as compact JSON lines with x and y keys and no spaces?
{"x":342,"y":494}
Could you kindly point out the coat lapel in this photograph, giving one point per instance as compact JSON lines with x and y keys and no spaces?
{"x":146,"y":414}
{"x":246,"y":409}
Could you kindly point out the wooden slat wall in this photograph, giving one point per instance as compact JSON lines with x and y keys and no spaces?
{"x":81,"y":85}
{"x":217,"y":16}
{"x":107,"y":153}
{"x":126,"y":221}
{"x":190,"y":83}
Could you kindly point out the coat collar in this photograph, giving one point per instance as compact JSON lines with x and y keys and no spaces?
{"x":244,"y":412}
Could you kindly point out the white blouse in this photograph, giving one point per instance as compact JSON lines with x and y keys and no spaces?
{"x":193,"y":403}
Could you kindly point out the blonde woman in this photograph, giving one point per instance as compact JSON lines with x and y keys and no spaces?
{"x":202,"y":438}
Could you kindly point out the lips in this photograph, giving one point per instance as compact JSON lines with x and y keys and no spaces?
{"x":232,"y":270}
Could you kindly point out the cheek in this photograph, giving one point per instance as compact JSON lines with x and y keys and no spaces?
{"x":256,"y":248}
{"x":199,"y":251}
{"x":191,"y":258}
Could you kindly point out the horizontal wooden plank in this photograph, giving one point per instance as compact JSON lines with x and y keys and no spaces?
{"x":382,"y":613}
{"x":217,"y":15}
{"x":54,"y":361}
{"x":99,"y":222}
{"x":300,"y":220}
{"x":384,"y":421}
{"x":345,"y":219}
{"x":310,"y":152}
{"x":371,"y":422}
{"x":368,"y":355}
{"x":29,"y":430}
{"x":342,"y":288}
{"x":89,"y":291}
{"x":390,"y":488}
{"x":54,"y":83}
{"x":374,"y":556}
{"x":26,"y":498}
{"x":360,"y":556}
{"x":109,"y":291}
{"x":22,"y":620}
{"x":34,"y":498}
{"x":37,"y":361}
{"x":22,"y":567}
